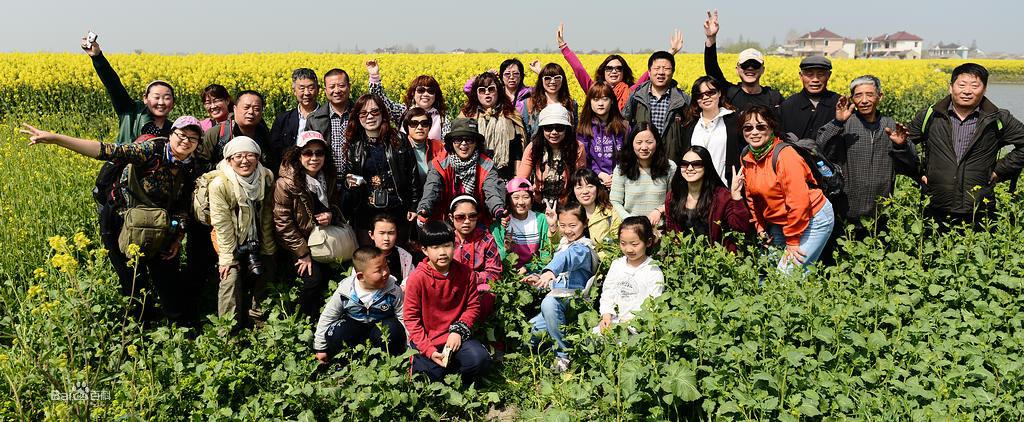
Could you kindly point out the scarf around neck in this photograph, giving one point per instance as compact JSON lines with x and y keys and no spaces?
{"x":250,"y":191}
{"x":759,"y":153}
{"x":465,"y":171}
{"x":498,"y":131}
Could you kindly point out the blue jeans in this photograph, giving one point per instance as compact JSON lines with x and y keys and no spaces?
{"x":812,"y":241}
{"x":551,"y":319}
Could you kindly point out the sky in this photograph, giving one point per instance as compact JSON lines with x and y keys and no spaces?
{"x":192,"y":26}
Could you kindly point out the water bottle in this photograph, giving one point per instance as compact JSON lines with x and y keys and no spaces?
{"x":824,"y":170}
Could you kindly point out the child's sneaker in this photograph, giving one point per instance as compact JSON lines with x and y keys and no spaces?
{"x":561,"y":365}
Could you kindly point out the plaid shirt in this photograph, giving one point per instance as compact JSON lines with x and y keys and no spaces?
{"x":479,"y":252}
{"x":963,"y":130}
{"x":338,"y":124}
{"x":659,"y":109}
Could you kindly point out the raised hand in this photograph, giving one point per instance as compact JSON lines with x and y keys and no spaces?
{"x":675,"y":43}
{"x":372,"y":67}
{"x":535,"y":66}
{"x":559,"y":35}
{"x":844,"y":109}
{"x":711,"y":27}
{"x":93,"y":50}
{"x":38,"y":136}
{"x":737,"y":184}
{"x":898,"y":135}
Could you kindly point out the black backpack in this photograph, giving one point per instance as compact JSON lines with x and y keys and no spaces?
{"x":110,"y":174}
{"x":827,"y":175}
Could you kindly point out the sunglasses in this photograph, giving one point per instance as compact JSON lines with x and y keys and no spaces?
{"x":511,"y":74}
{"x":751,"y":66}
{"x":489,"y":89}
{"x":553,"y":128}
{"x":375,"y":112}
{"x":419,"y":123}
{"x":696,"y":164}
{"x":761,"y":127}
{"x":467,"y":141}
{"x":424,"y":90}
{"x":310,"y":153}
{"x":613,"y":68}
{"x":551,"y":78}
{"x":709,"y":93}
{"x":463,"y":217}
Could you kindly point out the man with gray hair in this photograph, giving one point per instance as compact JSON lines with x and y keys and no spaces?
{"x":287,"y":125}
{"x":870,"y":148}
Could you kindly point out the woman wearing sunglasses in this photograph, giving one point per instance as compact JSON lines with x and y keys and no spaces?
{"x":614,"y":70}
{"x":418,"y":124}
{"x":700,"y":204}
{"x":305,"y":197}
{"x":551,"y":88}
{"x":713,"y":124}
{"x":552,"y":157}
{"x":786,"y":208}
{"x":380,"y":171}
{"x":496,"y":119}
{"x":423,"y":92}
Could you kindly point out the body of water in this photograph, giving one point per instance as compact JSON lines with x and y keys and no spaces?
{"x":1008,"y":96}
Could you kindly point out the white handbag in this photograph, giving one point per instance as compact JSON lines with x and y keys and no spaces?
{"x":329,"y":244}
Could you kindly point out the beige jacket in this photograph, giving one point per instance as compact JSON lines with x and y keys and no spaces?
{"x":224,"y":217}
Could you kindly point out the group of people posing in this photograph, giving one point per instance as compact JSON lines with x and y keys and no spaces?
{"x":437,"y":199}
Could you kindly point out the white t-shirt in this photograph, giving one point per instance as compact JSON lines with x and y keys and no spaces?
{"x":714,"y":137}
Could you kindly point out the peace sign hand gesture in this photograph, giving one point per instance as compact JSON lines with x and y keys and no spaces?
{"x":38,"y":136}
{"x":898,"y":135}
{"x":737,"y":184}
{"x":711,"y":27}
{"x":559,"y":35}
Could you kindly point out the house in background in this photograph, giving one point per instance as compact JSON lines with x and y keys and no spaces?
{"x":901,"y":45}
{"x":825,"y":43}
{"x":953,"y":51}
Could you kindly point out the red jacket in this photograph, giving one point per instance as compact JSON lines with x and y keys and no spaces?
{"x":490,"y":190}
{"x":433,"y":302}
{"x":724,"y":211}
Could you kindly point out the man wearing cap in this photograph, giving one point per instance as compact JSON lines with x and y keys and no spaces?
{"x":870,"y":147}
{"x":287,"y":125}
{"x":134,"y":117}
{"x":749,"y":67}
{"x":464,"y":171}
{"x":332,"y":118}
{"x":805,"y":112}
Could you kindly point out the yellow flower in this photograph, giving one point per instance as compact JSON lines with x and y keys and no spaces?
{"x":33,"y":291}
{"x":132,"y":350}
{"x":81,"y":240}
{"x":58,"y":243}
{"x":65,"y":263}
{"x":4,"y":358}
{"x":39,"y":273}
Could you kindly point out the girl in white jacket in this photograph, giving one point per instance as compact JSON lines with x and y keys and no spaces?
{"x":632,"y":278}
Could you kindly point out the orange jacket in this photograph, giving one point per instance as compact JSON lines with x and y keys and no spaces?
{"x":781,"y":197}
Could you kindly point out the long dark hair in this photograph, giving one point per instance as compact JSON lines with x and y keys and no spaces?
{"x":568,"y":149}
{"x":695,"y":95}
{"x":539,"y":97}
{"x":680,"y":187}
{"x":292,"y":157}
{"x":355,"y":130}
{"x":587,"y":176}
{"x":429,"y":82}
{"x":627,"y":72}
{"x":473,"y":103}
{"x":614,"y":123}
{"x":519,"y":65}
{"x":629,"y":164}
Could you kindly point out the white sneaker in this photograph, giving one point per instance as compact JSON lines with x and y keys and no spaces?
{"x":561,"y":365}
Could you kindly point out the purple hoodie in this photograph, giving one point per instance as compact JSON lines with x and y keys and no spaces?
{"x":602,"y":147}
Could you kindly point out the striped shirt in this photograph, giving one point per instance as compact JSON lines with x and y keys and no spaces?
{"x":640,"y":196}
{"x":963,"y":130}
{"x":659,"y":109}
{"x":338,"y":123}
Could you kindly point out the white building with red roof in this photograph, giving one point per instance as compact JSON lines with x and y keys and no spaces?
{"x":900,"y":45}
{"x":824,"y":43}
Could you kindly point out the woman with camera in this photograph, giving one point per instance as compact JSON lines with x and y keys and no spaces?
{"x":153,"y":174}
{"x":306,"y":196}
{"x":241,"y":213}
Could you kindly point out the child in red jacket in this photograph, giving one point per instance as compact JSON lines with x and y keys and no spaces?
{"x":441,"y":304}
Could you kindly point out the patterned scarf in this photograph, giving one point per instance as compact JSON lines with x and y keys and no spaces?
{"x":759,"y":153}
{"x":465,"y":171}
{"x":498,"y":132}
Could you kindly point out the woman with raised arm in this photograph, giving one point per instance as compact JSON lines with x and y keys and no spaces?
{"x":423,"y":92}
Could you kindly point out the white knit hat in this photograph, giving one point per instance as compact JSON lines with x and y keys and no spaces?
{"x":553,"y":114}
{"x":241,"y":144}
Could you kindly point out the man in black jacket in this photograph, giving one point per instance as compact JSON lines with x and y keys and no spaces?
{"x":961,"y":136}
{"x":287,"y":125}
{"x":805,"y":112}
{"x":749,"y":68}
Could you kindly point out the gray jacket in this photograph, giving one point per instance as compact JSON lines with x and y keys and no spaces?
{"x":442,"y":187}
{"x":344,"y":303}
{"x":638,"y":110}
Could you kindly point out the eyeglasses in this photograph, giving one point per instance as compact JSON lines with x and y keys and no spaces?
{"x":709,"y":93}
{"x":511,"y":74}
{"x":551,"y":78}
{"x":696,"y":164}
{"x":489,"y":89}
{"x":463,"y":217}
{"x":182,"y":137}
{"x":554,"y":128}
{"x":469,"y":141}
{"x":761,"y":127}
{"x":419,"y":123}
{"x":375,"y":112}
{"x":424,"y":90}
{"x":209,"y":101}
{"x":613,"y":68}
{"x":310,"y":153}
{"x":247,"y":156}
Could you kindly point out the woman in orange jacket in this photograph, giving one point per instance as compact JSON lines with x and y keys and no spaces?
{"x":783,"y":201}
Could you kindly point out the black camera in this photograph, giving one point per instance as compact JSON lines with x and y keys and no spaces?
{"x":248,"y":253}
